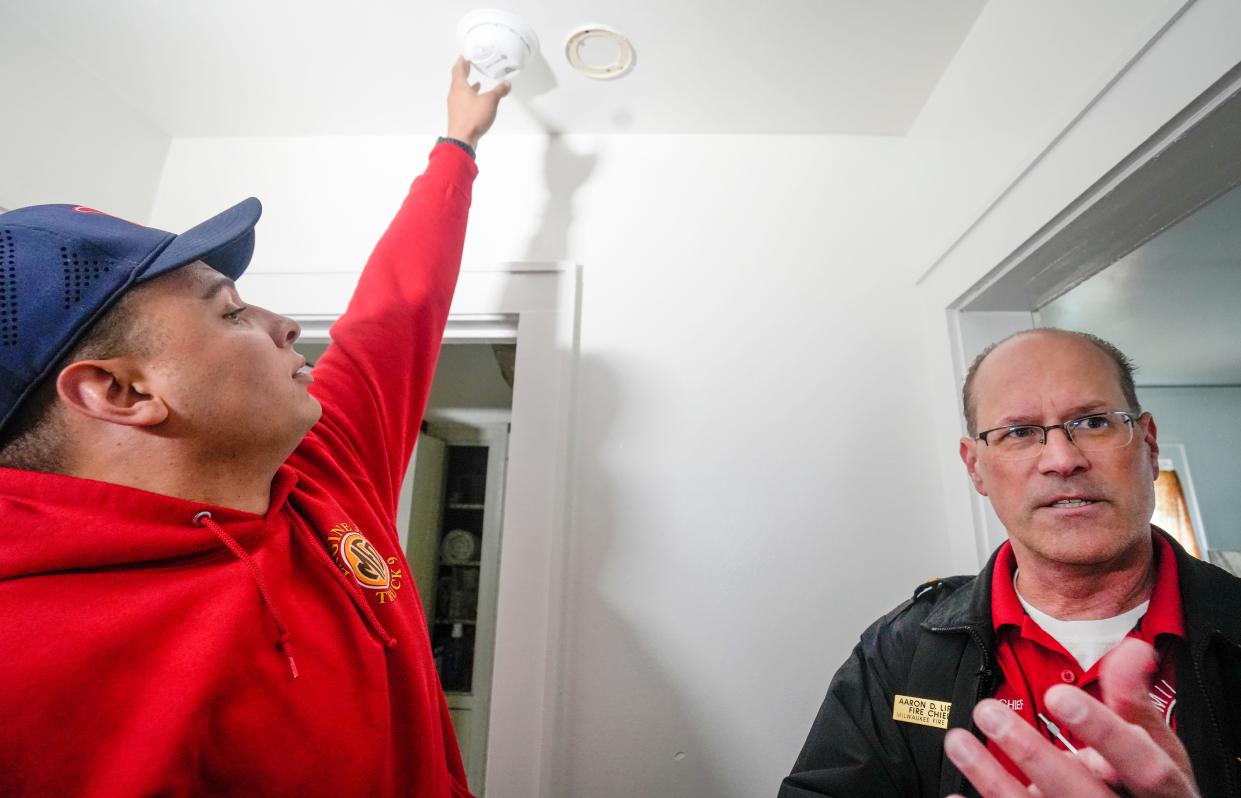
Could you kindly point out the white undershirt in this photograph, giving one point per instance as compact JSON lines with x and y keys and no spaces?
{"x":1087,"y":641}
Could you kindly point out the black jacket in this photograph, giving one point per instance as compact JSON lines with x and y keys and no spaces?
{"x":940,"y":645}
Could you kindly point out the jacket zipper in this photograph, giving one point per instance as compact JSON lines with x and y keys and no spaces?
{"x":982,"y":647}
{"x":984,"y":675}
{"x":1219,"y":738}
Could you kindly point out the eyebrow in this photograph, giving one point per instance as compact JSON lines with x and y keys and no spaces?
{"x":1077,"y":411}
{"x":216,"y":286}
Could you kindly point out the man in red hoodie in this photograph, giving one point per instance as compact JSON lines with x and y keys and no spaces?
{"x":202,"y":589}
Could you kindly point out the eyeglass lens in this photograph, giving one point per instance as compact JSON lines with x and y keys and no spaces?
{"x":1089,"y":433}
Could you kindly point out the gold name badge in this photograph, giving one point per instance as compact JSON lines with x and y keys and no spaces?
{"x":922,"y":711}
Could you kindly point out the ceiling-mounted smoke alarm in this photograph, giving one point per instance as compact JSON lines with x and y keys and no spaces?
{"x":619,"y":60}
{"x":497,"y":43}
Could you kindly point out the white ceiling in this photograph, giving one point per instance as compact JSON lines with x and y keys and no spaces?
{"x":279,"y":67}
{"x":1172,"y":304}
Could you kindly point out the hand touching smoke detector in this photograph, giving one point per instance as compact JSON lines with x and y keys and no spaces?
{"x":499,"y":44}
{"x":496,"y":43}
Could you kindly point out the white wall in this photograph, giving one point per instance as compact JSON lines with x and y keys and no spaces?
{"x":66,"y":137}
{"x":1119,"y":90}
{"x":1024,"y":73}
{"x":1204,"y":419}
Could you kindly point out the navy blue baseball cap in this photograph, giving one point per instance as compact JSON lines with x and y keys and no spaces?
{"x":63,"y":266}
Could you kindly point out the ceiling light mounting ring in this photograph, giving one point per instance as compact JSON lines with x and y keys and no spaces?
{"x":621,"y":66}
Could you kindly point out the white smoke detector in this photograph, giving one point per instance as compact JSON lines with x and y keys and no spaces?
{"x":497,"y":43}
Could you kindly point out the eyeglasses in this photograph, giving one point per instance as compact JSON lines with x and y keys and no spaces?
{"x":1092,"y":433}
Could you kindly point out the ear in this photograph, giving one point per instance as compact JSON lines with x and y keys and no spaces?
{"x":110,"y":390}
{"x":969,"y":456}
{"x":1151,"y":437}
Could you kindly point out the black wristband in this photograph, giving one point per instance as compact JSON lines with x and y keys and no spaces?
{"x":468,"y":149}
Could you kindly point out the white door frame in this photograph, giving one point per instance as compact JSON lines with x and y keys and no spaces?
{"x":535,"y":305}
{"x":1189,"y":161}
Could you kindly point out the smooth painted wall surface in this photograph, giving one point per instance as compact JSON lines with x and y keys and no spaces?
{"x":65,"y":136}
{"x":1204,"y":420}
{"x":1003,"y":101}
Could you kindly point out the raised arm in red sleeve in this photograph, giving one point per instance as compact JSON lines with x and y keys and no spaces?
{"x":374,"y":379}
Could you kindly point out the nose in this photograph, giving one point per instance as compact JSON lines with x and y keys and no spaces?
{"x":289,"y":331}
{"x":1060,"y":455}
{"x":284,"y":331}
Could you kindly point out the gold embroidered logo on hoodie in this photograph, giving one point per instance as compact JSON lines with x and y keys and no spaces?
{"x":357,"y":555}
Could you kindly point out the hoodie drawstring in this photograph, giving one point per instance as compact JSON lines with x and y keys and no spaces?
{"x":355,"y":592}
{"x":282,"y":642}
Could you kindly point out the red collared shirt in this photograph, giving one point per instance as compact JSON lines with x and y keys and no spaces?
{"x":1031,"y":660}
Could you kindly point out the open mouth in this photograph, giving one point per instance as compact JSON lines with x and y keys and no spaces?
{"x":1071,"y":503}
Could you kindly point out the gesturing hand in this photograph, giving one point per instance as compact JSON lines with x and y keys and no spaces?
{"x":1132,"y":751}
{"x":471,"y":112}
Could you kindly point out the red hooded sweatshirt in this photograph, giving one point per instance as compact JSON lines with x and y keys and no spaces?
{"x":146,"y":649}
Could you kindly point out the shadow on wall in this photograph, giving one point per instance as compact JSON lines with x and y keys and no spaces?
{"x":627,"y":727}
{"x":623,"y":727}
{"x":564,"y":173}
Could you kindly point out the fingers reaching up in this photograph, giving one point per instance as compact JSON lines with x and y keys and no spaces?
{"x":471,"y":112}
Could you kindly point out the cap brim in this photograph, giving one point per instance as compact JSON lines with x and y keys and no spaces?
{"x":225,"y":242}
